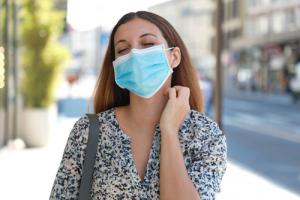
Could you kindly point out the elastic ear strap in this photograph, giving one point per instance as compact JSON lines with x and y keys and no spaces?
{"x":170,"y":48}
{"x":90,"y":157}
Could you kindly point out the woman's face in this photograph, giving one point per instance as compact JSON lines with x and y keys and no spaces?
{"x":140,"y":34}
{"x":137,"y":34}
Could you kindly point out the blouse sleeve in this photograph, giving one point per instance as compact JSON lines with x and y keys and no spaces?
{"x":66,"y":183}
{"x":208,"y":153}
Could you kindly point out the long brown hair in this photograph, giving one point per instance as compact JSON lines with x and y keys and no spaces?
{"x":108,"y":94}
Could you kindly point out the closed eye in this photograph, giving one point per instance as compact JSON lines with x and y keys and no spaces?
{"x":148,"y":44}
{"x":122,"y":51}
{"x":126,"y":50}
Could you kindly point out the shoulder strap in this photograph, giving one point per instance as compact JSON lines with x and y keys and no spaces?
{"x":89,"y":161}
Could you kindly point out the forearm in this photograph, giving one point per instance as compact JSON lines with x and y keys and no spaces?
{"x":175,"y":183}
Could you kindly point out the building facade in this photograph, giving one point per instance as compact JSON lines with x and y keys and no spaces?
{"x":233,"y":21}
{"x":269,"y":47}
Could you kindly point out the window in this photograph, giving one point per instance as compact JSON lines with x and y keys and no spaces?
{"x":277,"y":22}
{"x":263,"y":25}
{"x":297,"y":14}
{"x":290,"y":19}
{"x":235,"y":9}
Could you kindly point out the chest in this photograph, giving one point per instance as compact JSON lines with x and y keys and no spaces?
{"x":141,"y":147}
{"x":126,"y":167}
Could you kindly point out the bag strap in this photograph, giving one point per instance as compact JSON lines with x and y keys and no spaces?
{"x":89,"y":161}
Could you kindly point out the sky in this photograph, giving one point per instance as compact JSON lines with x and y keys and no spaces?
{"x":85,"y":15}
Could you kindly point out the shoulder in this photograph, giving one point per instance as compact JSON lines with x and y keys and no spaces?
{"x":204,"y":137}
{"x":80,"y":128}
{"x":197,"y":117}
{"x":199,"y":127}
{"x":103,"y":117}
{"x":107,"y":115}
{"x":203,"y":123}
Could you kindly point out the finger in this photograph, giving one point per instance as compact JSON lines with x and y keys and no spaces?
{"x":178,"y":87}
{"x":178,"y":90}
{"x":172,"y":93}
{"x":182,"y":92}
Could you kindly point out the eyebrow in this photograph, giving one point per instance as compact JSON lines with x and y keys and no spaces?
{"x":144,"y":35}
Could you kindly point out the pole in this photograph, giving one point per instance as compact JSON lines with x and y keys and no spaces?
{"x":6,"y":67}
{"x":14,"y":62}
{"x":218,"y":69}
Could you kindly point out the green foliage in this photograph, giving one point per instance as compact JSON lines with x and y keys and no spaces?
{"x":42,"y":56}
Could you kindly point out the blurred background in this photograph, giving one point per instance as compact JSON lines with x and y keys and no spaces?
{"x":247,"y":54}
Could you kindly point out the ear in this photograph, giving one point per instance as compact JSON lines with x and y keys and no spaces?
{"x":175,"y":57}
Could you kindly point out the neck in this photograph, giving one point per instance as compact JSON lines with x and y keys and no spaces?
{"x":146,"y":111}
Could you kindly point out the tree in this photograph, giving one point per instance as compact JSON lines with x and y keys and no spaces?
{"x":42,"y":56}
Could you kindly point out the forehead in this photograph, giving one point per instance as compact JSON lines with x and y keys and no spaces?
{"x":135,"y":28}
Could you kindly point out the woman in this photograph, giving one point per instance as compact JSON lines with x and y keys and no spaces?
{"x":154,"y":142}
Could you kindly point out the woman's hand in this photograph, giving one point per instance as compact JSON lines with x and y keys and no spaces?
{"x":176,"y":109}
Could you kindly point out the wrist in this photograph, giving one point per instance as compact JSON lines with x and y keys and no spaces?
{"x":169,"y":131}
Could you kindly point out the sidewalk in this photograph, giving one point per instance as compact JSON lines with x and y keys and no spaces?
{"x":241,"y":184}
{"x":29,"y":174}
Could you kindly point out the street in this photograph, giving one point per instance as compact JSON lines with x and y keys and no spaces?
{"x":264,"y":137}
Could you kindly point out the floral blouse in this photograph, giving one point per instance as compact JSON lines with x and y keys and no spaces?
{"x":115,"y":175}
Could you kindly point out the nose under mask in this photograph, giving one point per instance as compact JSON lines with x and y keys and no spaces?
{"x":143,"y":71}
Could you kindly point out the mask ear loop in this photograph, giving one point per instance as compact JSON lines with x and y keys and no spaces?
{"x":170,"y":48}
{"x":166,"y":49}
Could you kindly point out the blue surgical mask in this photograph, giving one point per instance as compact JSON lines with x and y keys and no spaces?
{"x":143,"y":71}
